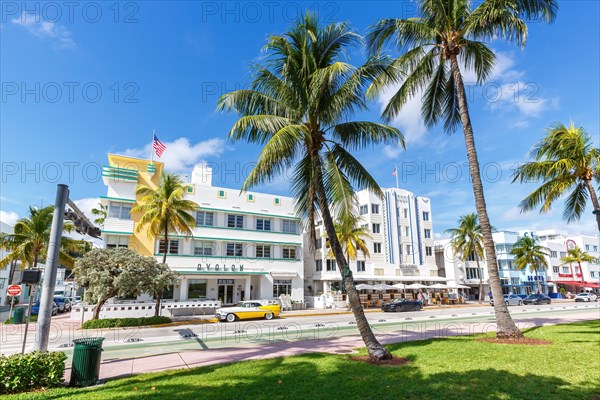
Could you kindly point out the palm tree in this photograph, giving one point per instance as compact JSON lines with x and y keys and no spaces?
{"x":467,"y":241}
{"x":446,"y":37}
{"x":576,"y":255}
{"x":298,"y":108}
{"x":29,"y":241}
{"x":529,"y":253}
{"x":351,"y":236}
{"x":101,"y":213}
{"x":565,"y":161}
{"x":165,"y":211}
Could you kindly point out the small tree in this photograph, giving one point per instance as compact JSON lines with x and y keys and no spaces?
{"x":107,"y":273}
{"x":576,"y":255}
{"x":101,"y":214}
{"x":529,"y":253}
{"x":157,"y":279}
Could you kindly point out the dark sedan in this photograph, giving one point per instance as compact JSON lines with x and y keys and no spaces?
{"x":402,"y":305}
{"x":537,"y":299}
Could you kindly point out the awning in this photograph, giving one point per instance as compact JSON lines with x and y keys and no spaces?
{"x":574,"y":283}
{"x":284,"y":274}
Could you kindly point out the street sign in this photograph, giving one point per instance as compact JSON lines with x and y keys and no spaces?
{"x":14,"y":290}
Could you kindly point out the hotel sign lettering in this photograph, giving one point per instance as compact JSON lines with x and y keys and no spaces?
{"x":219,"y":267}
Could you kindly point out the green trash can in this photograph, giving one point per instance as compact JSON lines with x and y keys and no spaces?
{"x":19,"y":315}
{"x":85,"y":368}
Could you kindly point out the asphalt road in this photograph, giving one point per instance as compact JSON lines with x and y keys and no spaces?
{"x":127,"y":342}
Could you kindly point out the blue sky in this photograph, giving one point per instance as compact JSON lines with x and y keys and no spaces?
{"x":80,"y":82}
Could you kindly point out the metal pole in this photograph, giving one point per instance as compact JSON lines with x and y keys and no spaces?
{"x":47,"y":297}
{"x":28,"y":318}
{"x":12,"y":302}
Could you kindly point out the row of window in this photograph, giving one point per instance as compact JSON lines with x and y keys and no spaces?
{"x":331,"y":265}
{"x":364,"y":209}
{"x":232,"y":249}
{"x":206,"y":218}
{"x":589,"y":247}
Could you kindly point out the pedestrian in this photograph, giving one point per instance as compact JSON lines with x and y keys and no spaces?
{"x":438,"y":299}
{"x":420,"y":297}
{"x":426,"y":298}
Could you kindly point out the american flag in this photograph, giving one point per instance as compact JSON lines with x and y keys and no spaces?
{"x":395,"y":171}
{"x":158,"y":146}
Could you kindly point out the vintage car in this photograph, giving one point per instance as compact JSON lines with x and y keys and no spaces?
{"x":248,"y":310}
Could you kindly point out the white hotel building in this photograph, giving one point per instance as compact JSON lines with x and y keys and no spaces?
{"x":401,"y":245}
{"x":244,"y":245}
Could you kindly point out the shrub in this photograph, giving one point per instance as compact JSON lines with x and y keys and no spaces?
{"x":123,"y":322}
{"x":25,"y":372}
{"x":9,"y":321}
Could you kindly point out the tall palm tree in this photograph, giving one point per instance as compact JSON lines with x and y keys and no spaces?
{"x":467,"y":241}
{"x":565,"y":161}
{"x":298,"y":107}
{"x":576,"y":255}
{"x":439,"y":45}
{"x":351,"y":236}
{"x":29,"y":241}
{"x":165,"y":211}
{"x":101,"y":213}
{"x":529,"y":253}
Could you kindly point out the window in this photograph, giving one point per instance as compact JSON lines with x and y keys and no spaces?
{"x":405,"y":212}
{"x":281,"y":286}
{"x":377,"y":248}
{"x":362,"y":210}
{"x":408,"y":249}
{"x":406,"y":231}
{"x":250,"y":198}
{"x":556,"y":269}
{"x":234,"y":249}
{"x":263,"y":224}
{"x":203,"y":248}
{"x":563,"y":254}
{"x":289,"y":252}
{"x":173,"y":247}
{"x":204,"y":218}
{"x":277,"y":201}
{"x":319,"y":265}
{"x":425,"y":216}
{"x":566,"y":270}
{"x":427,"y":233}
{"x":472,"y":273}
{"x":235,"y":221}
{"x":221,"y":194}
{"x":595,"y":248}
{"x":553,"y":254}
{"x":374,"y":208}
{"x":263,"y":251}
{"x":588,"y":247}
{"x":428,"y":251}
{"x":114,"y":241}
{"x":593,"y":274}
{"x":514,"y":281}
{"x":318,"y":243}
{"x":289,"y":226}
{"x":330,"y":265}
{"x":360,"y":266}
{"x":197,"y":288}
{"x":376,"y":228}
{"x":119,"y":210}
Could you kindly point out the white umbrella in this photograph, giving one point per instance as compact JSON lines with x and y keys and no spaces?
{"x":400,"y":286}
{"x":416,"y":286}
{"x":383,"y":286}
{"x":364,"y":286}
{"x":438,"y":286}
{"x":455,"y":286}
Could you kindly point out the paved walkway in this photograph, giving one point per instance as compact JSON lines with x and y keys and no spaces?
{"x":112,"y":368}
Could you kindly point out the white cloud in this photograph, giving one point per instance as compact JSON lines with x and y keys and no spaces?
{"x":408,"y":120}
{"x":8,"y":217}
{"x":86,"y":205}
{"x":46,"y":30}
{"x":181,"y":156}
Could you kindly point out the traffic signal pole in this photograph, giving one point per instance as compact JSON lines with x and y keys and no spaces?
{"x":49,"y":284}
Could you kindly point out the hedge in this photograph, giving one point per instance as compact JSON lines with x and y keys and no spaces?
{"x":9,"y":321}
{"x":123,"y":322}
{"x":26,"y":372}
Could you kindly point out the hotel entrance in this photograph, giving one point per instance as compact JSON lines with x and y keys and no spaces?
{"x":225,"y":290}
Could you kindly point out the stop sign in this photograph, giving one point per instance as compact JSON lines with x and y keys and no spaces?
{"x":14,"y":290}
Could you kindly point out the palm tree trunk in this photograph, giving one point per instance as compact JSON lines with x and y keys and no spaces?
{"x":167,"y":246}
{"x":581,"y":272}
{"x":595,"y":202}
{"x":537,"y":279}
{"x":505,"y":326}
{"x":480,"y":278}
{"x":376,"y":351}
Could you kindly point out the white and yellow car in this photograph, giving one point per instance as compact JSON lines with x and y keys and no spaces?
{"x":248,"y":310}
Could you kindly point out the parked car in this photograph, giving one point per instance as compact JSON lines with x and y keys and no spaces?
{"x":402,"y":305}
{"x":537,"y":299}
{"x":248,"y":310}
{"x":586,"y":297}
{"x":64,"y":304}
{"x":74,"y":300}
{"x":35,"y":309}
{"x":510,"y":300}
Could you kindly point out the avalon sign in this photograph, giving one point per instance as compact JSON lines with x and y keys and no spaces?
{"x":219,"y":267}
{"x":14,"y":290}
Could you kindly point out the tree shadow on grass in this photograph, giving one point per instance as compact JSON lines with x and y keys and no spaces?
{"x":321,"y":376}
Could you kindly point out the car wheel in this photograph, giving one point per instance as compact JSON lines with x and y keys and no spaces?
{"x":230,"y":318}
{"x":520,"y":303}
{"x":507,"y":304}
{"x":269,"y":316}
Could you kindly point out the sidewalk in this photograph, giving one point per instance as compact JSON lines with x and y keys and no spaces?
{"x":113,"y":368}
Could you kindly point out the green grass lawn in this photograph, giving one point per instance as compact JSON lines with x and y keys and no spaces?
{"x":453,"y":368}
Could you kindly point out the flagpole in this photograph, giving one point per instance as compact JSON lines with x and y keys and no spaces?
{"x":397,"y":187}
{"x":152,"y":147}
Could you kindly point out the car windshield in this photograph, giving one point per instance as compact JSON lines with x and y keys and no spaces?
{"x":398,"y":300}
{"x":506,"y":296}
{"x":533,"y":296}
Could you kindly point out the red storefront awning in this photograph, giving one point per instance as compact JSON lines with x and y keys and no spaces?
{"x":575,"y":283}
